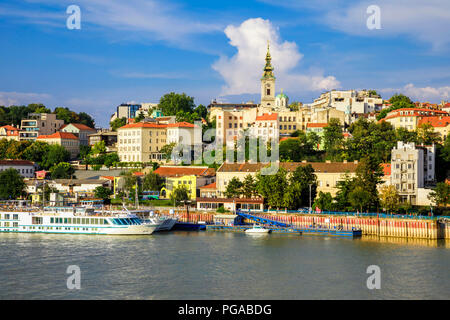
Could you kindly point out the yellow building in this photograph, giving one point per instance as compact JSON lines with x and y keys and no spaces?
{"x":141,"y":142}
{"x":190,"y":182}
{"x":409,"y":118}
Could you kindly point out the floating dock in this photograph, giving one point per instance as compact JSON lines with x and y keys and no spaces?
{"x":288,"y":230}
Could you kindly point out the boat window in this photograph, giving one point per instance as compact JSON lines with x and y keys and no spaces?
{"x":116,"y":221}
{"x":65,"y":220}
{"x":52,"y":220}
{"x":105,"y":221}
{"x":129,"y":221}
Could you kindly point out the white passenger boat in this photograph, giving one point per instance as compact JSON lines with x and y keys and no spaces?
{"x":257,"y":230}
{"x":74,"y":220}
{"x":164,"y":223}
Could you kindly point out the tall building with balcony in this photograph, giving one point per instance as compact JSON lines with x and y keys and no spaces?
{"x":39,"y":124}
{"x":412,"y":168}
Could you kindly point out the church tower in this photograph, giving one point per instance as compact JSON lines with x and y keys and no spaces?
{"x":268,"y":83}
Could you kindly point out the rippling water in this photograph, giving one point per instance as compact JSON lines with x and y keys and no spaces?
{"x":218,"y":265}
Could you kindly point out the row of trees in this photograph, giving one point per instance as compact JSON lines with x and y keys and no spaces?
{"x":14,"y":114}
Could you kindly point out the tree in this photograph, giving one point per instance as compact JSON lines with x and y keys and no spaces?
{"x":368,"y":176}
{"x":389,"y":198}
{"x":12,"y":185}
{"x":54,"y":155}
{"x":333,"y":139}
{"x":233,"y":189}
{"x":139,"y":117}
{"x":86,"y":119}
{"x":179,"y":194}
{"x":273,"y":188}
{"x":103,"y":193}
{"x":129,"y":182}
{"x":426,"y":134}
{"x":202,"y":111}
{"x":117,"y":123}
{"x":324,"y":202}
{"x":167,"y":150}
{"x":171,"y":103}
{"x":440,"y":194}
{"x":98,"y":148}
{"x":397,"y":101}
{"x":152,"y":182}
{"x":66,"y":114}
{"x":301,"y":179}
{"x":403,"y":134}
{"x":62,"y":170}
{"x":110,"y":159}
{"x":344,"y":186}
{"x":248,"y":188}
{"x":360,"y":198}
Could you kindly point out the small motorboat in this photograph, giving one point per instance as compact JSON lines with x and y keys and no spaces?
{"x":257,"y":229}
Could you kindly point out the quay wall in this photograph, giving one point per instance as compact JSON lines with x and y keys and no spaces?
{"x":432,"y":229}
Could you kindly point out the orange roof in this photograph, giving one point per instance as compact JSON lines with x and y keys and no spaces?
{"x":107,"y":177}
{"x":267,"y":116}
{"x":209,"y":186}
{"x":59,"y":135}
{"x":286,"y":138}
{"x":179,"y":171}
{"x":143,"y":125}
{"x":386,"y":168}
{"x":316,"y":125}
{"x":437,"y":121}
{"x":79,"y":126}
{"x":183,"y":124}
{"x":11,"y":131}
{"x":138,"y":173}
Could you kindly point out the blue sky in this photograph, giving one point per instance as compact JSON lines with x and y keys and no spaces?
{"x":138,"y":50}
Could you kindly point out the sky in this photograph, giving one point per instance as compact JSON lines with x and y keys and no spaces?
{"x":137,"y":50}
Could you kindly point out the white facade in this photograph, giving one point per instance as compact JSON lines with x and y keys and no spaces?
{"x":24,"y":167}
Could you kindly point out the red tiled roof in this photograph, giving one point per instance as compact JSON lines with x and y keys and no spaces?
{"x":437,"y":121}
{"x":79,"y":126}
{"x":316,"y":125}
{"x":138,"y":173}
{"x":143,"y":125}
{"x":59,"y":135}
{"x":16,"y":162}
{"x":209,"y":186}
{"x":11,"y":131}
{"x":181,"y":125}
{"x":179,"y":171}
{"x":266,"y":117}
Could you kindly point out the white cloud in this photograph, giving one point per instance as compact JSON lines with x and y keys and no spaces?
{"x":421,"y":94}
{"x":242,"y":71}
{"x":22,"y":98}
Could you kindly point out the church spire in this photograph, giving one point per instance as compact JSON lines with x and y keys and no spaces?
{"x":268,"y":69}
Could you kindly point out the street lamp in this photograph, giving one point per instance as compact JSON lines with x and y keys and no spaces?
{"x":310,"y":209}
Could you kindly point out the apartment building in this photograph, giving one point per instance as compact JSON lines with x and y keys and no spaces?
{"x":409,"y":118}
{"x":80,"y":130}
{"x":141,"y":142}
{"x":183,"y":133}
{"x":39,"y":124}
{"x":412,"y":168}
{"x":440,"y":124}
{"x":66,"y":139}
{"x":350,"y":101}
{"x":9,"y":133}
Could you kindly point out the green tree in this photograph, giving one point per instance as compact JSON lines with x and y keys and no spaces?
{"x":86,"y":119}
{"x":12,"y":185}
{"x":426,"y":134}
{"x":344,"y":186}
{"x":167,"y":150}
{"x":98,"y":148}
{"x":179,"y":194}
{"x":368,"y":176}
{"x":202,"y":111}
{"x":55,"y":155}
{"x":152,"y":182}
{"x":389,"y":198}
{"x":36,"y":152}
{"x":111,"y":159}
{"x":397,"y":101}
{"x":360,"y":198}
{"x":440,"y":194}
{"x":403,"y":134}
{"x":273,"y":188}
{"x":117,"y":123}
{"x":139,"y":117}
{"x":62,"y":170}
{"x":333,"y":139}
{"x":234,"y":188}
{"x":324,"y":202}
{"x":171,"y":103}
{"x":103,"y":193}
{"x":248,"y":188}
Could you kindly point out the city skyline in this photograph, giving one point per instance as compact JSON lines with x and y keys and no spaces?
{"x":141,"y":50}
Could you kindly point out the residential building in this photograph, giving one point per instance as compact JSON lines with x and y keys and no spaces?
{"x":24,"y":167}
{"x":9,"y":133}
{"x":66,"y":139}
{"x":182,"y":133}
{"x":141,"y":142}
{"x":409,"y":118}
{"x":350,"y":101}
{"x":109,"y":137}
{"x":39,"y":124}
{"x":80,"y":130}
{"x":412,"y":167}
{"x":440,"y":124}
{"x":266,"y":127}
{"x":126,"y":110}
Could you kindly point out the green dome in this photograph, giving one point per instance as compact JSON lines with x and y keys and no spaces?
{"x":281,"y":95}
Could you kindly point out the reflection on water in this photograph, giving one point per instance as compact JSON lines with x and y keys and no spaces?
{"x":221,"y":265}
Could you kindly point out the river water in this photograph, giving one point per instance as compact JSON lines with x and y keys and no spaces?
{"x":220,"y":265}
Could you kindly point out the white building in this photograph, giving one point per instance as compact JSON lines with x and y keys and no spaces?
{"x":24,"y":167}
